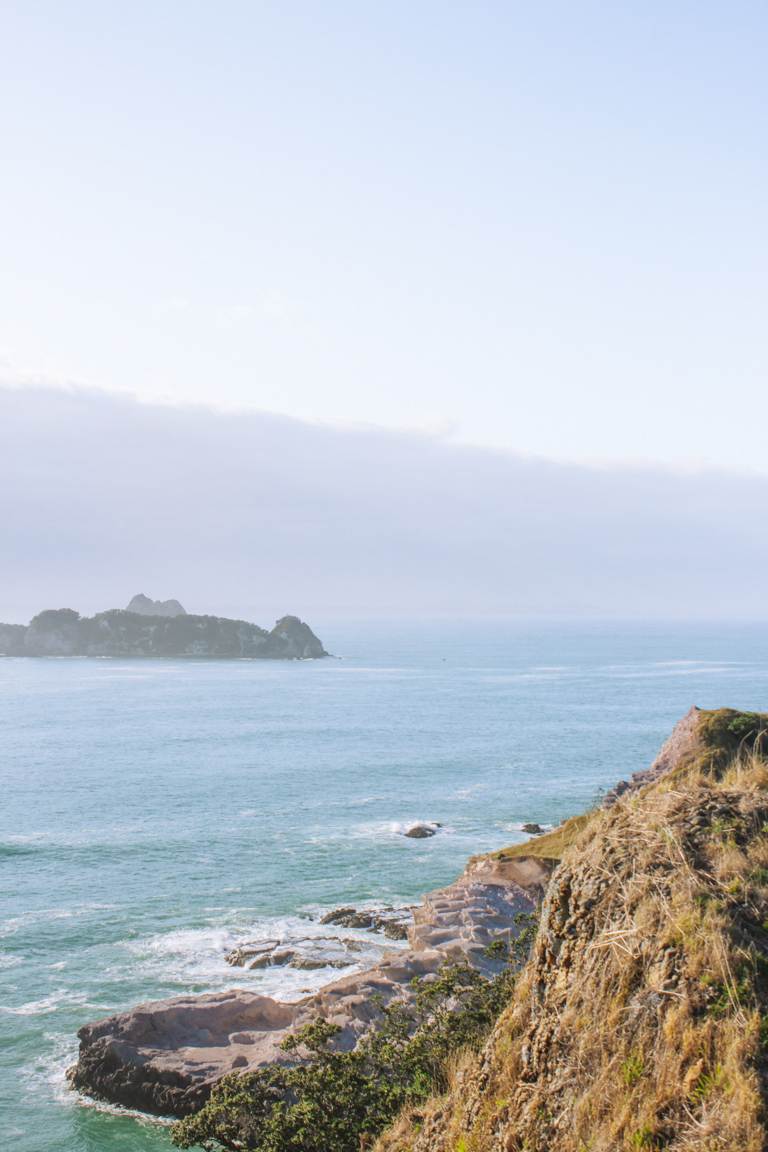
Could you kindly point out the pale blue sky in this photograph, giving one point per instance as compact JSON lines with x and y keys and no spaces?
{"x":541,"y":227}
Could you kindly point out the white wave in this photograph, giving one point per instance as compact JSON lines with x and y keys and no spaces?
{"x":117,"y":1110}
{"x":51,"y":1003}
{"x":700,"y":664}
{"x":197,"y":956}
{"x":47,"y":1072}
{"x":11,"y":926}
{"x":379,"y":830}
{"x":466,"y":793}
{"x":679,"y":671}
{"x":47,"y":1075}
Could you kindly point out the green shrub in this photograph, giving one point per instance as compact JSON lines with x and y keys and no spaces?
{"x":334,"y":1101}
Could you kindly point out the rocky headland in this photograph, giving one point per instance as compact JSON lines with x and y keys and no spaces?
{"x":636,"y":1019}
{"x":170,"y":633}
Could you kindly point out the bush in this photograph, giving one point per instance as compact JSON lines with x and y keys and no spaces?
{"x":339,"y":1101}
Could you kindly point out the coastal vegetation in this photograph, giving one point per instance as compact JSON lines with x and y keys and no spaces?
{"x":338,"y":1101}
{"x":638,"y":1019}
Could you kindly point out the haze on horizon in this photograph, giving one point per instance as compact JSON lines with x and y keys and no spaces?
{"x":538,"y":228}
{"x":254,"y":515}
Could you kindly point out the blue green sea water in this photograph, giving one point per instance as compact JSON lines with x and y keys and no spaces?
{"x":155,"y":813}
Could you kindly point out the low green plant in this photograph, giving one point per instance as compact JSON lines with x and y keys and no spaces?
{"x":645,"y":1138}
{"x":706,"y":1083}
{"x":632,"y":1069}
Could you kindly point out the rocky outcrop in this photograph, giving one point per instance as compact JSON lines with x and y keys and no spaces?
{"x":421,"y":831}
{"x":291,"y":638}
{"x":63,"y":632}
{"x":164,"y":1057}
{"x":682,"y":742}
{"x":143,"y":606}
{"x":393,"y":922}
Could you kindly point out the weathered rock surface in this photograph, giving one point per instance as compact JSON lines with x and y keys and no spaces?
{"x":63,"y":632}
{"x":393,"y":922}
{"x":164,"y":1057}
{"x":682,"y":741}
{"x":144,"y":606}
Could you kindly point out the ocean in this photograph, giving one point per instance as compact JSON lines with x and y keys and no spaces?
{"x":154,"y":814}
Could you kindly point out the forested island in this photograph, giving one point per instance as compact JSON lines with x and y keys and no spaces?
{"x":170,"y":632}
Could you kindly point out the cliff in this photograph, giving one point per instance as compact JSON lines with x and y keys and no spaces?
{"x":63,"y":632}
{"x":641,"y":1018}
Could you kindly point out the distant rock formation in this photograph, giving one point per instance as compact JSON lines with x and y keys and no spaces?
{"x":143,"y":606}
{"x":63,"y":632}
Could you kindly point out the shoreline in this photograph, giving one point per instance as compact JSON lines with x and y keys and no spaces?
{"x":162,"y":1058}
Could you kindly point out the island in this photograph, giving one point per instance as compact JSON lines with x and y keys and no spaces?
{"x":165,"y":631}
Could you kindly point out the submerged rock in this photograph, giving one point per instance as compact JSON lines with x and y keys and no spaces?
{"x":310,"y":953}
{"x":246,"y":955}
{"x":533,"y":829}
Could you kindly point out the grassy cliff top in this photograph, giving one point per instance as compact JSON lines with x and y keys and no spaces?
{"x":721,"y":734}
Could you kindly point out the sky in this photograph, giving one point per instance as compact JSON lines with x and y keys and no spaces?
{"x":539,"y":228}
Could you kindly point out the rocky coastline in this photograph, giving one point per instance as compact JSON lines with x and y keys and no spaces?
{"x":166,"y":1056}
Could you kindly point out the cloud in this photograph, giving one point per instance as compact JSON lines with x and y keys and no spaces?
{"x":102,"y":496}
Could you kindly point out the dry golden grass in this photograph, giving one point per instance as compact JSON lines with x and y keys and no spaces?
{"x":552,"y":845}
{"x":641,"y":1018}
